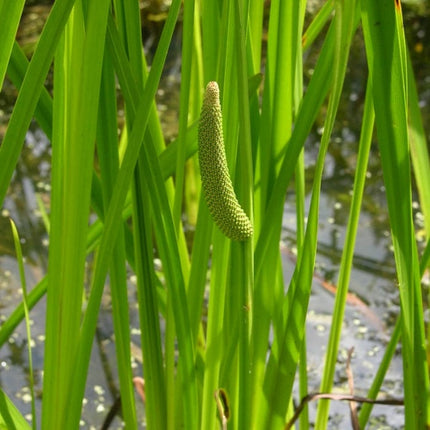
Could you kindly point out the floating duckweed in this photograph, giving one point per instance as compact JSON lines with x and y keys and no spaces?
{"x":218,"y":189}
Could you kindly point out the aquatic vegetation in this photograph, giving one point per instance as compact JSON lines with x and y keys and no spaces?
{"x":217,"y":185}
{"x":196,"y":344}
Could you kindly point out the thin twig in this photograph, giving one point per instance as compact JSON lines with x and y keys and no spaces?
{"x":339,"y":397}
{"x":352,"y":405}
{"x":113,"y":411}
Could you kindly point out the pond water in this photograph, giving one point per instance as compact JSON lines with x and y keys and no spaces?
{"x":372,"y":307}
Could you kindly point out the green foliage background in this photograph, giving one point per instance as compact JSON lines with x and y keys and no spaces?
{"x":94,"y":45}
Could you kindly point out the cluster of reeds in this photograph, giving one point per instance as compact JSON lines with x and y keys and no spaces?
{"x":95,"y":47}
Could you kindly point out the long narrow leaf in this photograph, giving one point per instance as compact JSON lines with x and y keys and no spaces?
{"x":285,"y":351}
{"x":73,"y":151}
{"x":385,"y":47}
{"x":347,"y":256}
{"x":166,"y":226}
{"x":10,"y":11}
{"x":30,"y":91}
{"x":10,"y":417}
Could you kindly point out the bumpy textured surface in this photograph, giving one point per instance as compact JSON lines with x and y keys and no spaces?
{"x":217,"y":186}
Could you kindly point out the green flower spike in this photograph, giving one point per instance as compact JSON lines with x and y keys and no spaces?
{"x":217,"y":186}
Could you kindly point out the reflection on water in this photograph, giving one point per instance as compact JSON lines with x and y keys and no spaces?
{"x":371,"y":310}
